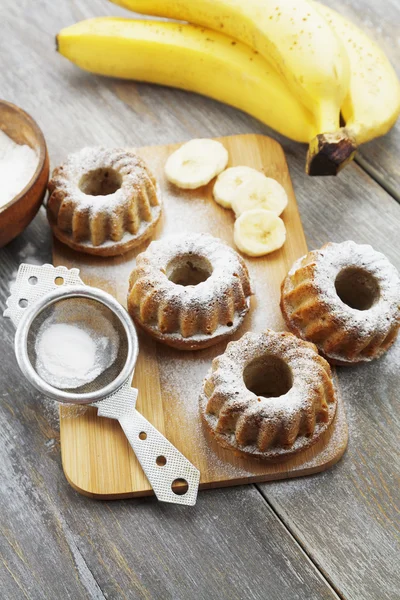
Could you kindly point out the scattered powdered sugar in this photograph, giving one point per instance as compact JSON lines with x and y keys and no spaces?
{"x":73,"y":411}
{"x":185,"y":372}
{"x":68,"y":176}
{"x":70,"y":352}
{"x":181,"y":374}
{"x":28,"y":254}
{"x":50,"y":411}
{"x":18,"y":163}
{"x":335,"y":257}
{"x":13,"y":278}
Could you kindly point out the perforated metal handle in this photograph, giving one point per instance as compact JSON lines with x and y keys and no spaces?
{"x":165,"y":467}
{"x":32,"y":283}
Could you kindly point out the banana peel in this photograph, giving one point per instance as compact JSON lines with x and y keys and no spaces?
{"x":191,"y":58}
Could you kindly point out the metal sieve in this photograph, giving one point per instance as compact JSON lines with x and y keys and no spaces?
{"x":46,"y":296}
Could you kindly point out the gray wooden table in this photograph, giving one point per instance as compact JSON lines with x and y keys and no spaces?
{"x":333,"y":535}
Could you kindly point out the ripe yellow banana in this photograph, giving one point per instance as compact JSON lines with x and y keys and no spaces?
{"x":296,"y":39}
{"x":191,"y":58}
{"x":372,"y":104}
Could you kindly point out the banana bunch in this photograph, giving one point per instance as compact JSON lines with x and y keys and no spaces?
{"x":296,"y":65}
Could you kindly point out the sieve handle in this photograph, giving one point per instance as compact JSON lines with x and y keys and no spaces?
{"x":162,"y":463}
{"x":32,"y":283}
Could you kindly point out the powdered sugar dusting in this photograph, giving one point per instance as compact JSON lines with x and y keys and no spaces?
{"x":181,"y":373}
{"x":27,"y":254}
{"x":50,"y":411}
{"x":227,"y":282}
{"x":186,"y":373}
{"x":379,"y":320}
{"x":73,"y":411}
{"x":307,"y":378}
{"x":74,"y":345}
{"x":136,"y":178}
{"x":68,"y":176}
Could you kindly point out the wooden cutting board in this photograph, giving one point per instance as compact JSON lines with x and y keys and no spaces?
{"x":96,"y":456}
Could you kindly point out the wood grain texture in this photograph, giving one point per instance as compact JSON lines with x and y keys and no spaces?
{"x":345,"y":519}
{"x":208,"y":553}
{"x":368,"y":478}
{"x":96,"y":457}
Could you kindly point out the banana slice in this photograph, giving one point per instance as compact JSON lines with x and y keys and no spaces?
{"x":262,"y":192}
{"x":229,"y":183}
{"x":195,"y":163}
{"x":258,"y":232}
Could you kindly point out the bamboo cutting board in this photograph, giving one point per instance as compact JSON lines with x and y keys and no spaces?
{"x":96,"y":456}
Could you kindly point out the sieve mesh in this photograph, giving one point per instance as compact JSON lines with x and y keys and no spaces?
{"x":91,"y":341}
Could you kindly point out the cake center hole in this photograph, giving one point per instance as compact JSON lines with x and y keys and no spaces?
{"x":357,"y":288}
{"x":188,"y":269}
{"x":268,"y":376}
{"x":100,"y":182}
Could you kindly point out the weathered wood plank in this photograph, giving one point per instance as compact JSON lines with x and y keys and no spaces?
{"x":347,"y":520}
{"x":75,"y":547}
{"x":354,"y":534}
{"x":230,"y":546}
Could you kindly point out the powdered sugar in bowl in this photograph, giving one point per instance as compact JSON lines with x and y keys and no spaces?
{"x":22,"y":134}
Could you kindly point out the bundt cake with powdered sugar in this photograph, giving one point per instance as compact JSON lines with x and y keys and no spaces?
{"x":189,"y":291}
{"x":345,"y":298}
{"x":103,"y":201}
{"x":270,"y":395}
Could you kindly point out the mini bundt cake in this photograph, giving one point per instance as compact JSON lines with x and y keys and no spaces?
{"x":189,"y":291}
{"x":270,"y":395}
{"x":103,"y":201}
{"x":345,"y":298}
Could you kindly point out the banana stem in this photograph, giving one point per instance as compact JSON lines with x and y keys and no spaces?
{"x":328,"y":153}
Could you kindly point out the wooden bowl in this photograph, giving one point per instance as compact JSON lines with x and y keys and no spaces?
{"x":19,"y":212}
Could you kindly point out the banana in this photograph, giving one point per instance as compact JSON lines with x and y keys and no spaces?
{"x":243,"y":188}
{"x":229,"y":182}
{"x":213,"y":64}
{"x":195,"y":163}
{"x":372,"y":104}
{"x":257,"y":232}
{"x":291,"y":34}
{"x":265,"y":193}
{"x":298,"y":42}
{"x":191,"y":58}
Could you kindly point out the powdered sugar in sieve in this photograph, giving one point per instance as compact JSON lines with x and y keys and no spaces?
{"x":73,"y":347}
